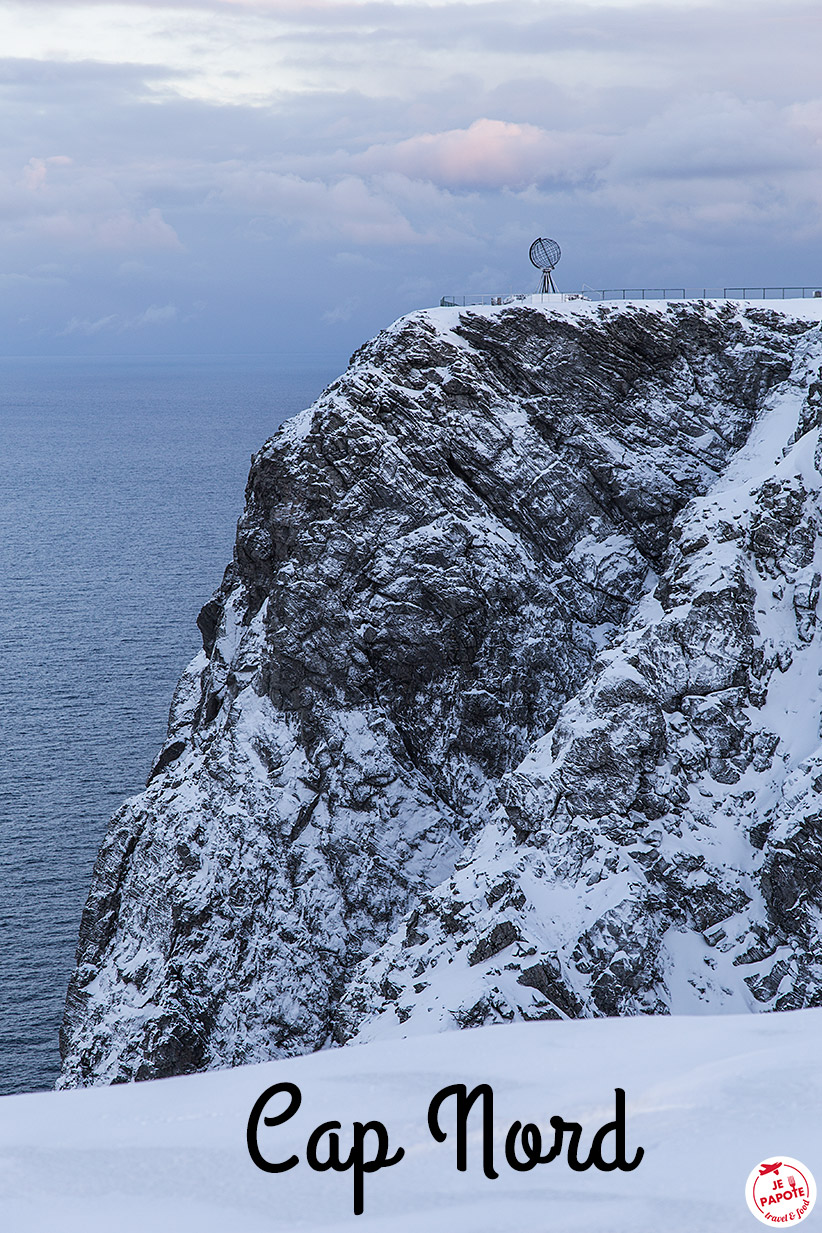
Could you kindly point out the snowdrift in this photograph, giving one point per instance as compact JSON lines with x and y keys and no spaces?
{"x":707,"y":1098}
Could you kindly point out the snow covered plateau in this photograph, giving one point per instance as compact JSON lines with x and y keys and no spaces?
{"x":508,"y":710}
{"x":707,"y":1098}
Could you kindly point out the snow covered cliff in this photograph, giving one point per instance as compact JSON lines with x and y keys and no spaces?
{"x":508,"y":708}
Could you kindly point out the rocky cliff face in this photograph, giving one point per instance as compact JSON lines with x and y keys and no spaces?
{"x":508,"y":705}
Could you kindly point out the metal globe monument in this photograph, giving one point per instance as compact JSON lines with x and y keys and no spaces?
{"x":545,"y":255}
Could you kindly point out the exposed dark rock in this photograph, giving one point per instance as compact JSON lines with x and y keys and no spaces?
{"x":494,"y":703}
{"x":502,"y":935}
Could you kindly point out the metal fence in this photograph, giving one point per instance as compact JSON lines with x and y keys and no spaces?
{"x":702,"y":293}
{"x":649,"y":293}
{"x":463,"y":301}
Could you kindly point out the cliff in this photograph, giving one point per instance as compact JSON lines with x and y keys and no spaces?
{"x":508,"y":706}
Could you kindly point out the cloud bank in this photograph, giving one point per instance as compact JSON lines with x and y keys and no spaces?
{"x":304,"y":172}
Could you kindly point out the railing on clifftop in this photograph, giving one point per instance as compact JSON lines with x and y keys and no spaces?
{"x":644,"y":293}
{"x":702,"y":293}
{"x":465,"y":301}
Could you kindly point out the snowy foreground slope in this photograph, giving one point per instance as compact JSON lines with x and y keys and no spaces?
{"x":707,"y":1098}
{"x":508,"y":708}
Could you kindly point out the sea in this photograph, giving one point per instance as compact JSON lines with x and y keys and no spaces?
{"x":121,"y":482}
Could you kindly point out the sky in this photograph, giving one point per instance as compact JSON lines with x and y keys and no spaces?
{"x":285,"y":177}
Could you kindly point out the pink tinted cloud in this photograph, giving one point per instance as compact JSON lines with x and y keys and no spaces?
{"x":79,"y":209}
{"x":489,"y":154}
{"x":35,"y":173}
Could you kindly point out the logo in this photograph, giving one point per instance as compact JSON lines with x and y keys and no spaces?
{"x":780,"y":1191}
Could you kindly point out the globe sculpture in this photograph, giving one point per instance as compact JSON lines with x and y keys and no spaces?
{"x":545,"y":255}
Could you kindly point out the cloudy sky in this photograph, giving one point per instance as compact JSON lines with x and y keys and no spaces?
{"x":286,"y":176}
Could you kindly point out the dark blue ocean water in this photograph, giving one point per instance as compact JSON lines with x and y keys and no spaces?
{"x":120,"y":487}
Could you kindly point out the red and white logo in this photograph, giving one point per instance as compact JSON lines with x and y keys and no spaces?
{"x":780,"y":1191}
